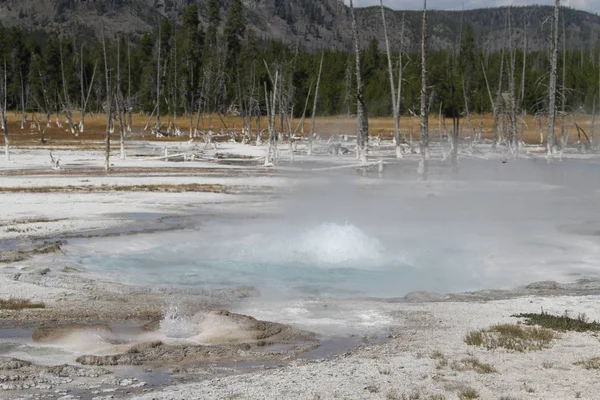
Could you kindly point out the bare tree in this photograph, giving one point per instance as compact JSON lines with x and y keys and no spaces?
{"x":158,"y":81}
{"x":314,"y":110}
{"x":3,"y":112}
{"x":84,"y":97}
{"x":497,"y":105}
{"x":362,"y":137}
{"x":120,"y":103}
{"x":67,"y":103}
{"x":424,"y":103}
{"x":271,"y":112}
{"x":395,"y":110}
{"x":523,"y":77}
{"x":108,"y":106}
{"x":129,"y":98}
{"x":400,"y":77}
{"x":512,"y":89}
{"x":553,"y":76}
{"x":23,"y":114}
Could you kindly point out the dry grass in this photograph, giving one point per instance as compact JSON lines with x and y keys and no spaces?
{"x":468,"y":394}
{"x":442,"y":360}
{"x":590,"y":364}
{"x":19,"y":304}
{"x":512,"y":337}
{"x":95,"y":128}
{"x":192,"y":187}
{"x":473,"y":364}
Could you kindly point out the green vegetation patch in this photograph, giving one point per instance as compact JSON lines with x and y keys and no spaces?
{"x":561,"y":323}
{"x":512,"y":337}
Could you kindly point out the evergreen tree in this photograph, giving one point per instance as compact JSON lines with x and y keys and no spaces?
{"x":234,"y":31}
{"x":214,"y":19}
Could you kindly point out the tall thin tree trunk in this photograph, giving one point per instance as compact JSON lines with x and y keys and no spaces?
{"x":362,"y":118}
{"x":108,"y":106}
{"x":67,"y":105}
{"x":395,"y":111}
{"x":129,"y":99}
{"x":23,"y":115}
{"x":271,"y":112}
{"x":4,"y":118}
{"x":424,"y":103}
{"x":498,"y":105}
{"x":158,"y":82}
{"x":523,"y":76}
{"x":563,"y":132}
{"x":553,"y":76}
{"x":400,"y":77}
{"x":120,"y":104}
{"x":314,"y":110}
{"x":512,"y":88}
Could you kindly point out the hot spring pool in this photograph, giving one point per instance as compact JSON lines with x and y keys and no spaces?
{"x":500,"y":226}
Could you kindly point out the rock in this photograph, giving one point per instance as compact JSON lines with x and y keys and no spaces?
{"x":424,"y":297}
{"x":10,"y":256}
{"x":48,"y":248}
{"x":543,"y":285}
{"x":69,"y":270}
{"x":42,"y":271}
{"x":12,"y":363}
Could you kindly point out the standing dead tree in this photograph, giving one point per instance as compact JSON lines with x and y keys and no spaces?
{"x":395,"y":106}
{"x":553,"y":75}
{"x":3,"y":107}
{"x":67,"y":103}
{"x":271,"y":103}
{"x":523,"y":77}
{"x":158,"y":77}
{"x":424,"y":104}
{"x":120,"y":103}
{"x":400,"y":77}
{"x":84,"y":97}
{"x":362,"y":119}
{"x":108,"y":106}
{"x":314,"y":110}
{"x":512,"y":98}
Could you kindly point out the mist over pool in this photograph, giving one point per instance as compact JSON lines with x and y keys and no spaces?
{"x":342,"y":235}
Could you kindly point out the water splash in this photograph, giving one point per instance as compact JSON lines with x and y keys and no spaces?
{"x":332,"y":243}
{"x":176,"y":325}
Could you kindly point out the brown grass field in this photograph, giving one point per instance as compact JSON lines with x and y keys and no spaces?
{"x":95,"y":128}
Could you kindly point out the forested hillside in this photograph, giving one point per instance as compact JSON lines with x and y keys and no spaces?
{"x":313,"y":24}
{"x":213,"y":60}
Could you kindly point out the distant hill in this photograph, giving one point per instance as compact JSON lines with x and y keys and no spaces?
{"x":312,"y":23}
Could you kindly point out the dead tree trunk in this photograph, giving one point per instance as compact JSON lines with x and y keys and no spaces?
{"x":108,"y":107}
{"x":522,"y":97}
{"x":362,"y":119}
{"x":314,"y":110}
{"x":271,"y":112}
{"x":23,"y":115}
{"x":67,"y":105}
{"x":85,"y":100}
{"x":512,"y":89}
{"x":564,"y":135}
{"x":120,"y":103}
{"x":553,"y":75}
{"x":399,"y":91}
{"x":395,"y":110}
{"x":158,"y":83}
{"x":498,"y":105}
{"x":3,"y":110}
{"x":424,"y":103}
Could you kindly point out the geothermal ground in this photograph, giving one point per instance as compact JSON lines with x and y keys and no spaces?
{"x":213,"y":277}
